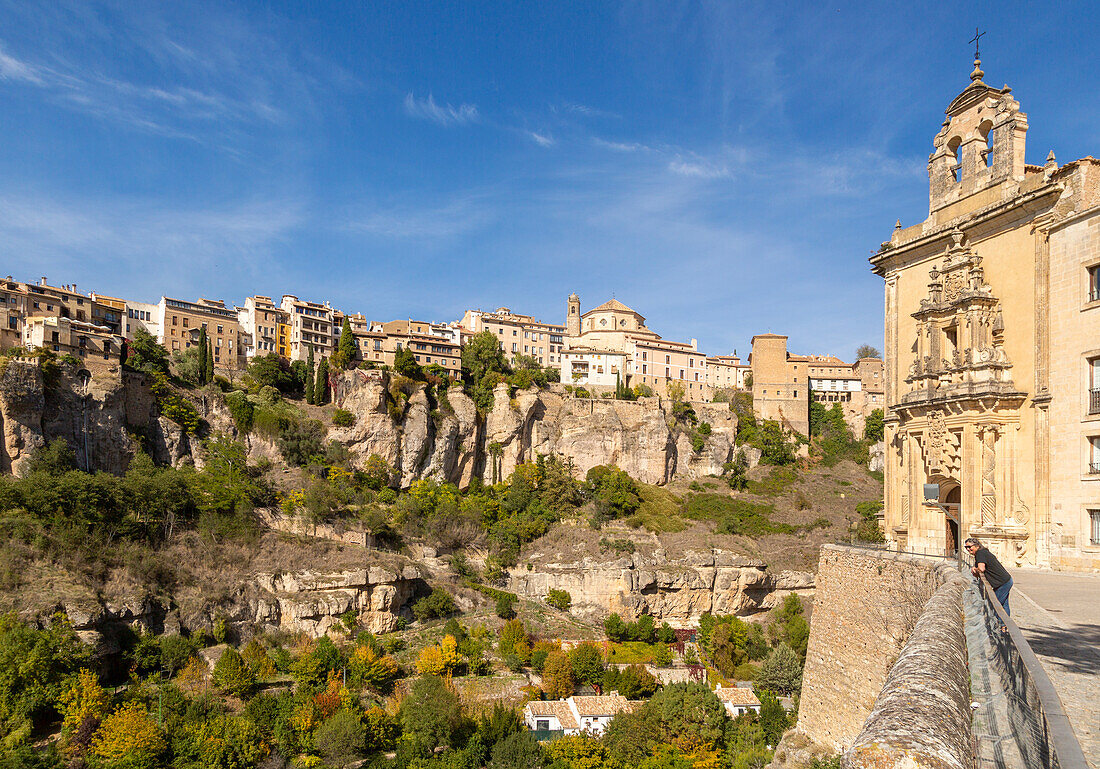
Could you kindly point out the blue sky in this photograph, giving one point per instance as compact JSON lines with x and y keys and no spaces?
{"x":723,"y":168}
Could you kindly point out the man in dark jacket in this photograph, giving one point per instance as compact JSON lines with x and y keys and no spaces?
{"x":987,"y":564}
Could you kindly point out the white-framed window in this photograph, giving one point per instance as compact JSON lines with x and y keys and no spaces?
{"x":1094,"y":455}
{"x":1094,"y":527}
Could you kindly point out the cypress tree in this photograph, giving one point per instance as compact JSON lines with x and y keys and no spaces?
{"x":209,"y":364}
{"x":204,"y":345}
{"x":345,"y":353}
{"x":320,"y":390}
{"x":309,"y":376}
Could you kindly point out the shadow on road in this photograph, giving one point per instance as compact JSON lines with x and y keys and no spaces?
{"x":1073,"y":649}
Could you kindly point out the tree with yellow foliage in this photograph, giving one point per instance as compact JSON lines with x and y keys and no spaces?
{"x":578,"y":751}
{"x":557,"y":676}
{"x":129,"y":739}
{"x":430,"y":661}
{"x":84,"y":698}
{"x":448,"y":649}
{"x":370,"y":668}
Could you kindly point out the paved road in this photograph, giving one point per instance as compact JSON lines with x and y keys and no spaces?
{"x":1059,"y":615}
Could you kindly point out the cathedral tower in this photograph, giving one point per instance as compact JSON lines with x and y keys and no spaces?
{"x":573,"y":316}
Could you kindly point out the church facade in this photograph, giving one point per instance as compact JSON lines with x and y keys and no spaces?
{"x":992,"y":347}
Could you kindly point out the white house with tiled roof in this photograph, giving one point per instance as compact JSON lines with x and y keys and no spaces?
{"x":590,"y":714}
{"x":737,"y":700}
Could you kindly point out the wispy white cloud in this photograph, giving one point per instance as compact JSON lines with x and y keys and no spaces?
{"x":620,"y":146}
{"x":543,"y":140}
{"x":12,"y":68}
{"x":421,"y":222}
{"x":699,"y":170}
{"x":444,"y":114}
{"x":123,"y":237}
{"x":584,"y":110}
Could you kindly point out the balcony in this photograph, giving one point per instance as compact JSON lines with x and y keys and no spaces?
{"x":1094,"y":468}
{"x":1094,"y":294}
{"x":1094,"y":401}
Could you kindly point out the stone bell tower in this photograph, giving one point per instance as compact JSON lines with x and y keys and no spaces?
{"x":573,"y":316}
{"x":981,"y":143}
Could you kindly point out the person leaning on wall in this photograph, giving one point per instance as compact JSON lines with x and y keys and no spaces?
{"x":985,"y":563}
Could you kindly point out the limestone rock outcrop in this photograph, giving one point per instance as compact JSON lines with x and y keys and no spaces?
{"x":449,"y":442}
{"x":674,"y":590}
{"x":313,"y":603}
{"x":94,"y":412}
{"x":419,"y":436}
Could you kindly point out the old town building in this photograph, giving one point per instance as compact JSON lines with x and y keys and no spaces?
{"x":259,"y":320}
{"x":518,"y":334}
{"x":992,"y":322}
{"x":182,"y":321}
{"x":309,"y":325}
{"x":95,"y":346}
{"x":648,"y":359}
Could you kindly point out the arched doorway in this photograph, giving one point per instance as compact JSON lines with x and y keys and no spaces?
{"x":951,"y":501}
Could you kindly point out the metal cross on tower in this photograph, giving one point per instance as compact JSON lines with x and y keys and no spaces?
{"x":977,"y":37}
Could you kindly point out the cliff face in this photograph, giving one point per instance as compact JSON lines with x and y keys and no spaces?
{"x":676,"y":590}
{"x":453,"y":444}
{"x":94,"y":414}
{"x":445,"y":441}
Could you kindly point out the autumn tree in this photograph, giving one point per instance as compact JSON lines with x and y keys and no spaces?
{"x":557,"y":676}
{"x":85,"y":698}
{"x":867,"y":351}
{"x":129,"y":739}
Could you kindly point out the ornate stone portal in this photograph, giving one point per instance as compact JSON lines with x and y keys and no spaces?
{"x":960,"y":413}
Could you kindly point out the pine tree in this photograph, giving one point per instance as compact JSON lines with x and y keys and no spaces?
{"x":320,"y":389}
{"x":204,"y":346}
{"x":309,"y":376}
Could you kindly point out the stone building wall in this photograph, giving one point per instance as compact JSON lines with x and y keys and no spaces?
{"x":866,"y":606}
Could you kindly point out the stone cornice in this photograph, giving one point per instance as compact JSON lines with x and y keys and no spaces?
{"x":884,"y":260}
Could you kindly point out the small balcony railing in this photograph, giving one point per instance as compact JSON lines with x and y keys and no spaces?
{"x":1094,"y":468}
{"x":1094,"y":294}
{"x":1094,"y":401}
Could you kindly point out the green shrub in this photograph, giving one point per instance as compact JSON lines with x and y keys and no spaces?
{"x":241,"y":410}
{"x":173,"y":406}
{"x":232,"y":676}
{"x":559,"y":599}
{"x":734,"y":516}
{"x":343,"y":418}
{"x":437,"y":605}
{"x":620,"y":546}
{"x":506,"y":607}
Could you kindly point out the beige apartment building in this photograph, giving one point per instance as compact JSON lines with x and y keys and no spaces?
{"x":310,"y":325}
{"x":259,"y":320}
{"x":431,"y":344}
{"x":28,"y":300}
{"x":992,"y":358}
{"x":96,"y":346}
{"x":518,"y":334}
{"x":726,"y":372}
{"x":182,"y":321}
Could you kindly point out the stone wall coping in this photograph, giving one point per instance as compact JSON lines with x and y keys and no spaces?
{"x":921,"y":718}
